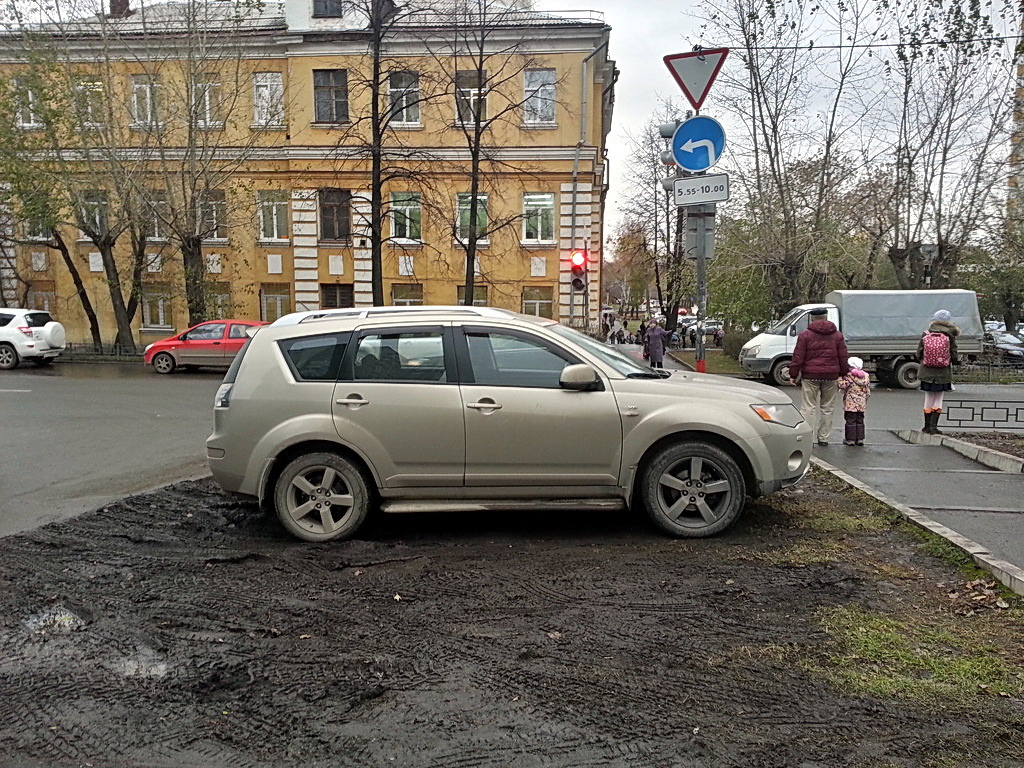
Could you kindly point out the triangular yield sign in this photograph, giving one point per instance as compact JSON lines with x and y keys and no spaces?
{"x":696,"y":71}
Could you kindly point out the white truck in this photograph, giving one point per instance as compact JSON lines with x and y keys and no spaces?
{"x":882,"y":328}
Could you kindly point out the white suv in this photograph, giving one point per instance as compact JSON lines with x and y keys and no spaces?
{"x":29,"y":334}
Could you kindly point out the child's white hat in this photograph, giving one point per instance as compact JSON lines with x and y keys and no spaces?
{"x":855,"y":362}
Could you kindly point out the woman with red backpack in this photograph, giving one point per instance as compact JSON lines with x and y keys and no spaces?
{"x":937,"y":354}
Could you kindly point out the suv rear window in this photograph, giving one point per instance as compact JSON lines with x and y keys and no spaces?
{"x":37,"y":319}
{"x":315,"y":358}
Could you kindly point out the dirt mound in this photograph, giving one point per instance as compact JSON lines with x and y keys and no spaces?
{"x":185,"y":628}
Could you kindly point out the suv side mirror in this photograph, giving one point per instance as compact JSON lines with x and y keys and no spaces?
{"x":578,"y":377}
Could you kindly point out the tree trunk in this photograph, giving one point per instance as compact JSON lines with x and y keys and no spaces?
{"x":83,"y":295}
{"x":192,"y":259}
{"x":124,"y":341}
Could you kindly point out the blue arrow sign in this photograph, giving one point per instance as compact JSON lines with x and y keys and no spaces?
{"x":698,"y":143}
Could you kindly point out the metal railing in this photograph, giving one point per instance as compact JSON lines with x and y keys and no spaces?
{"x":995,"y":415}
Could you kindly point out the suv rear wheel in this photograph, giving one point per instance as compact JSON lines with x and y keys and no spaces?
{"x":8,"y":357}
{"x":692,"y":490}
{"x":321,"y":497}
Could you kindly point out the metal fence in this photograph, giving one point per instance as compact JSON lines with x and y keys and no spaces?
{"x":995,"y":415}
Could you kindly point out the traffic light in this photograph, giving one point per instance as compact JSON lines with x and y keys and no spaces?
{"x":578,"y":269}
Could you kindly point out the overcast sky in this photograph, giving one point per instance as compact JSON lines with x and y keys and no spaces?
{"x":643,"y":31}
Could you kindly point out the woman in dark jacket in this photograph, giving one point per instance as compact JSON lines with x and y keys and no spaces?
{"x":936,"y":381}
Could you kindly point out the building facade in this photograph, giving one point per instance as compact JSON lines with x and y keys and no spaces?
{"x":248,"y":135}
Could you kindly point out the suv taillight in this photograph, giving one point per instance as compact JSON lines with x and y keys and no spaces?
{"x":223,"y":398}
{"x":26,"y":330}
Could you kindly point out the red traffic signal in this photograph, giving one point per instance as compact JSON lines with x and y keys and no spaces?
{"x":578,"y":268}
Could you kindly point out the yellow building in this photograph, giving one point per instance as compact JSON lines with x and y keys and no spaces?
{"x":251,"y":127}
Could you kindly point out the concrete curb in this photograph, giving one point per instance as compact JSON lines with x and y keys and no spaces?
{"x":992,"y":459}
{"x":1007,"y":573}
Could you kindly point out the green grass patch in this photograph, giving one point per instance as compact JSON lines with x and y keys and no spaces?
{"x":936,"y":661}
{"x":714,"y":361}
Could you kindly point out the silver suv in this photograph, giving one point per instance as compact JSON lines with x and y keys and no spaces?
{"x":29,"y":334}
{"x":331,"y":418}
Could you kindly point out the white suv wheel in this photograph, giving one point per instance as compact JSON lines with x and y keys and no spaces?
{"x":8,"y":357}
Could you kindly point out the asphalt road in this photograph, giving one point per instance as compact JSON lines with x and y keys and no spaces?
{"x":76,"y":436}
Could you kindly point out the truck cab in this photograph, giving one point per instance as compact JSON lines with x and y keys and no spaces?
{"x":770,"y":352}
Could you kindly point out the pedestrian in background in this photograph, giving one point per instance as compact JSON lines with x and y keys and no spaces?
{"x":656,"y":340}
{"x":641,"y":335}
{"x":856,"y":389}
{"x":937,"y":354}
{"x":819,"y":359}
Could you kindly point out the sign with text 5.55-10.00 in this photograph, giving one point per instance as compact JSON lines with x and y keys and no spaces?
{"x":697,"y":190}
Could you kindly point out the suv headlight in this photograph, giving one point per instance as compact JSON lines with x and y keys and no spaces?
{"x":785,"y":414}
{"x":750,"y":351}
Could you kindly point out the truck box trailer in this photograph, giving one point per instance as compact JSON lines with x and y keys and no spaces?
{"x":881,"y":327}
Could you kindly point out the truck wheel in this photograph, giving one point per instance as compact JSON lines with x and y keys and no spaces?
{"x":779,"y":374}
{"x":693,"y":490}
{"x":906,"y":375}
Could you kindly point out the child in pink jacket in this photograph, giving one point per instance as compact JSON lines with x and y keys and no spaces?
{"x":856,"y":389}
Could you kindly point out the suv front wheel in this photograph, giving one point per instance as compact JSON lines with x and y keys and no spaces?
{"x":692,"y":490}
{"x":321,"y":497}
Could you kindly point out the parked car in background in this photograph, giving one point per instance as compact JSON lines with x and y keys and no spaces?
{"x":29,"y":334}
{"x":212,"y":344}
{"x":1008,"y":348}
{"x":483,"y":409}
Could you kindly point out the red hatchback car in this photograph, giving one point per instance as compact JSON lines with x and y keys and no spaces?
{"x":212,"y":344}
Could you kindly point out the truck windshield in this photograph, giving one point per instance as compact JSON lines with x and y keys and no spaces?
{"x":779,"y":328}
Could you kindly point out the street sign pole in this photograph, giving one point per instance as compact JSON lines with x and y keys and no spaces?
{"x":702,"y":287}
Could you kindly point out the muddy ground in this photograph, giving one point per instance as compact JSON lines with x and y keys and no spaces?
{"x":183,"y":628}
{"x":1005,"y":442}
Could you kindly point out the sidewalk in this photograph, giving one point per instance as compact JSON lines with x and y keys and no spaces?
{"x":978,"y":508}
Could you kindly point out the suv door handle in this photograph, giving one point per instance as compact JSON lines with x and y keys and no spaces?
{"x":482,"y":406}
{"x":352,"y":401}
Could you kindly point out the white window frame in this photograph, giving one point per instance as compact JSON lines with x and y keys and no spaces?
{"x":539,"y":210}
{"x":96,"y":211}
{"x":273,"y":305}
{"x":158,"y":304}
{"x":25,"y":117}
{"x":406,"y":217}
{"x":156,"y":200}
{"x":268,"y":99}
{"x":154,"y":262}
{"x":206,"y":100}
{"x":90,"y":99}
{"x":273,"y":207}
{"x":212,"y":215}
{"x":145,"y":101}
{"x":407,"y":302}
{"x":462,"y":204}
{"x":539,"y":97}
{"x":404,"y":101}
{"x":533,"y":306}
{"x":470,"y":100}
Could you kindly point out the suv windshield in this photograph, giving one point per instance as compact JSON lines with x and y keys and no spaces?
{"x":779,"y":328}
{"x":609,"y":355}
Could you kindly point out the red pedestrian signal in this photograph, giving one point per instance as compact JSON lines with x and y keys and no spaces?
{"x":578,"y":269}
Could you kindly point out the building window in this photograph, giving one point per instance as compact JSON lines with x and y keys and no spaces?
{"x":539,"y":101}
{"x":215,"y":263}
{"x":218,"y":300}
{"x":95,"y":262}
{"x":95,"y":208}
{"x":206,"y":101}
{"x":25,"y":116}
{"x":89,"y":102}
{"x":273,"y":215}
{"x":39,"y":261}
{"x":145,"y":101}
{"x":335,"y":214}
{"x":537,"y":301}
{"x":479,"y":295}
{"x":330,"y":95}
{"x":37,"y":229}
{"x":275,"y":301}
{"x":328,"y":8}
{"x":464,"y":215}
{"x":268,"y":98}
{"x":471,"y":96}
{"x":41,"y":295}
{"x":406,"y":265}
{"x":154,"y":262}
{"x":404,"y":97}
{"x":156,"y":306}
{"x":538,"y":266}
{"x":157,"y":214}
{"x":539,"y":218}
{"x":406,"y":216}
{"x":213,"y":215}
{"x":407,"y":295}
{"x":337,"y":296}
